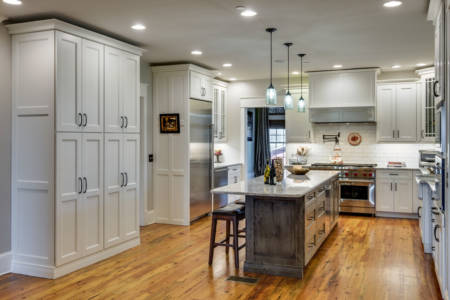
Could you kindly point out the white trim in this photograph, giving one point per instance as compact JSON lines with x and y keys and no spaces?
{"x":146,"y":216}
{"x":433,"y":10}
{"x":2,"y":18}
{"x":51,"y":272}
{"x":149,"y":218}
{"x":396,"y":215}
{"x":55,"y":24}
{"x":429,"y":72}
{"x":5,"y":262}
{"x":254,"y":102}
{"x":182,"y":67}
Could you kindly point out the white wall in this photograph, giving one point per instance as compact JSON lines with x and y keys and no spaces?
{"x":5,"y":140}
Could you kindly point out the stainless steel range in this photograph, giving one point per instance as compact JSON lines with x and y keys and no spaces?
{"x":357,"y":186}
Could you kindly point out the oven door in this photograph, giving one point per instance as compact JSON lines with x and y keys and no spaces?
{"x":357,"y":196}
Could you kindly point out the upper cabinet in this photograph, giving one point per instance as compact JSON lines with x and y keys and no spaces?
{"x":121,"y":91}
{"x":298,"y":127}
{"x":200,"y":86}
{"x":437,"y":15}
{"x":397,"y":112}
{"x":429,"y":120}
{"x":220,"y":111}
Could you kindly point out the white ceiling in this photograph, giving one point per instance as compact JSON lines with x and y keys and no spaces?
{"x":354,"y":33}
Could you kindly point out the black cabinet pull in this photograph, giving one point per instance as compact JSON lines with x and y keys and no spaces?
{"x":81,"y":185}
{"x":126,"y":122}
{"x":418,"y":211}
{"x":85,"y":120}
{"x":80,"y":119}
{"x":435,"y":93}
{"x":85,"y":185}
{"x":122,"y":179}
{"x":435,"y":229}
{"x":122,"y":121}
{"x":126,"y":178}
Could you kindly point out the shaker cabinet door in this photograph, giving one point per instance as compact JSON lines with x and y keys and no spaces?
{"x":113,"y":104}
{"x":385,"y":196}
{"x":406,"y":112}
{"x":69,"y":206}
{"x":386,"y":129}
{"x":129,"y":84}
{"x":403,"y":198}
{"x":68,"y":82}
{"x":92,"y":86}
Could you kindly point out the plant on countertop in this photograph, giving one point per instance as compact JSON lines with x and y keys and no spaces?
{"x":218,"y":154}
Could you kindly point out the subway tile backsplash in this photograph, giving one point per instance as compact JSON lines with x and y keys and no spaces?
{"x":369,"y":151}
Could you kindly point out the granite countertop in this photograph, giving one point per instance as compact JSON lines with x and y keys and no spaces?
{"x":292,"y":185}
{"x":226,"y":165}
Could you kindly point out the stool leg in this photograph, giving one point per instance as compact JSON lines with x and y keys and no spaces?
{"x":212,"y":240}
{"x":235,"y":242}
{"x":227,"y":238}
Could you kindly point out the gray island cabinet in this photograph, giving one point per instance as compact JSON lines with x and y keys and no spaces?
{"x":287,"y":223}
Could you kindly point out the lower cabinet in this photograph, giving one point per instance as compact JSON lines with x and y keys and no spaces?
{"x":394,"y":191}
{"x":79,"y":195}
{"x":438,"y":248}
{"x":121,"y":188}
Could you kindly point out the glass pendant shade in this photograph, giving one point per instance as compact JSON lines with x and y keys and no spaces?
{"x":301,"y":106}
{"x":288,"y":101}
{"x":271,"y":95}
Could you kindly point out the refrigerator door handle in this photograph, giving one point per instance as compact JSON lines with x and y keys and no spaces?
{"x":211,"y":155}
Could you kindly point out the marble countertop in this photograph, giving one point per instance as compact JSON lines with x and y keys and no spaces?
{"x":226,"y":165}
{"x":291,"y":186}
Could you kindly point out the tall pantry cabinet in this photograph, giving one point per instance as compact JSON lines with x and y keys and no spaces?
{"x":75,"y":162}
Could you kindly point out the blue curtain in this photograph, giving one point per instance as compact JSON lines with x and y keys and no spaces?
{"x":262,"y":143}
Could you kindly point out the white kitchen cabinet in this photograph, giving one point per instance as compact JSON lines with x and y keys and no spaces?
{"x":58,"y":149}
{"x":200,"y":86}
{"x":394,"y":191}
{"x":79,"y":84}
{"x":439,"y":53}
{"x":298,"y":127}
{"x":426,"y":105}
{"x":79,"y":200}
{"x":220,"y":111}
{"x":121,"y":91}
{"x":121,"y":188}
{"x":397,"y":112}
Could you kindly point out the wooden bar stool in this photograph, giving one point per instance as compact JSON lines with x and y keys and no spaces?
{"x":232,"y":213}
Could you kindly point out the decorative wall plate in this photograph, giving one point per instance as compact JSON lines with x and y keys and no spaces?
{"x":354,"y":138}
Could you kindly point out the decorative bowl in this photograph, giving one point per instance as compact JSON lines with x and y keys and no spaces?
{"x":297,"y":170}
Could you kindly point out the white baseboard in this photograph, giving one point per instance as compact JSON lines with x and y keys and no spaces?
{"x":171,"y":222}
{"x":149,"y":217}
{"x":396,"y":215}
{"x":52,"y":272}
{"x":5,"y":263}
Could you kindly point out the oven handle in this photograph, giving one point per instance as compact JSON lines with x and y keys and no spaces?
{"x":357,"y":183}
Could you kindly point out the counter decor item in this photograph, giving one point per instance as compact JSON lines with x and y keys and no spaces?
{"x":279,"y":170}
{"x":267,"y":173}
{"x":301,"y":155}
{"x":169,"y":123}
{"x":272,"y":174}
{"x":297,"y":170}
{"x":354,"y":139}
{"x":218,"y":154}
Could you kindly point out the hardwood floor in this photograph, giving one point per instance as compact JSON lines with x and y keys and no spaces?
{"x":363,"y":258}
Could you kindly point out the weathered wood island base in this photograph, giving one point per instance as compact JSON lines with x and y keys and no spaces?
{"x":286,"y":224}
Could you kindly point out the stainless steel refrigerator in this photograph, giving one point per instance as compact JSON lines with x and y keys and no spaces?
{"x":201,"y":158}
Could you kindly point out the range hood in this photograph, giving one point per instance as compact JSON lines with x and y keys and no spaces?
{"x":346,"y":96}
{"x":342,"y":114}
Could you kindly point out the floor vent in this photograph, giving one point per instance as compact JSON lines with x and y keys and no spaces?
{"x":243,"y":279}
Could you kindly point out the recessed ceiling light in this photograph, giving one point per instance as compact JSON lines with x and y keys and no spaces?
{"x":138,"y":27}
{"x":337,"y":66}
{"x":240,"y":7}
{"x":392,"y":3}
{"x":248,"y":13}
{"x":421,"y":64}
{"x":13,"y":2}
{"x":295,"y":72}
{"x":219,"y":73}
{"x":196,"y":52}
{"x":226,"y":65}
{"x":395,"y":66}
{"x":232,"y":79}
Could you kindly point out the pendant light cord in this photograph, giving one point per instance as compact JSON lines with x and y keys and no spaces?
{"x":288,"y":69}
{"x":271,"y":58}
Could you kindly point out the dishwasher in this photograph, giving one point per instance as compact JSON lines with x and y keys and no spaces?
{"x":220,"y":179}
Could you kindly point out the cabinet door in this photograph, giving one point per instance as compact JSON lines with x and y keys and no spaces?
{"x":298,"y":129}
{"x":68,"y":197}
{"x":385,"y":113}
{"x":196,"y":88}
{"x":439,"y":54}
{"x":130,"y":202}
{"x":223,"y":108}
{"x":403,"y":202}
{"x":68,"y":82}
{"x":113,"y":188}
{"x":216,"y":111}
{"x":92,"y":169}
{"x":92,"y":86}
{"x":113,"y":105}
{"x":129,"y":81}
{"x":385,"y":197}
{"x":207,"y":88}
{"x":406,"y":112}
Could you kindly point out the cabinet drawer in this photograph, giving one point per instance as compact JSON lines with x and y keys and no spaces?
{"x":321,"y":231}
{"x":394,"y":174}
{"x":310,"y":243}
{"x":320,"y":204}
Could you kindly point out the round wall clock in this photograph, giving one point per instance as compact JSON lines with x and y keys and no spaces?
{"x":354,"y":139}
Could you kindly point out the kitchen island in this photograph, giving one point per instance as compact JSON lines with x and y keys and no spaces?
{"x":287,"y":223}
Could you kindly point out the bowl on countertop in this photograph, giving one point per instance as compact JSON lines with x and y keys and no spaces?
{"x":297,"y":170}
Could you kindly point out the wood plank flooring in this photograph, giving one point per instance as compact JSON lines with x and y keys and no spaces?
{"x":363,"y":258}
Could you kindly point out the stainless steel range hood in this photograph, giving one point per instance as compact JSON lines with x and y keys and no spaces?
{"x":342,"y":115}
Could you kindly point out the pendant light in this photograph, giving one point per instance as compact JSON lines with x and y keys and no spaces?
{"x":301,"y":106}
{"x":288,"y":102}
{"x":271,"y":93}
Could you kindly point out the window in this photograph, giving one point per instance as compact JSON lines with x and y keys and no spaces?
{"x":277,"y":138}
{"x":430,"y":122}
